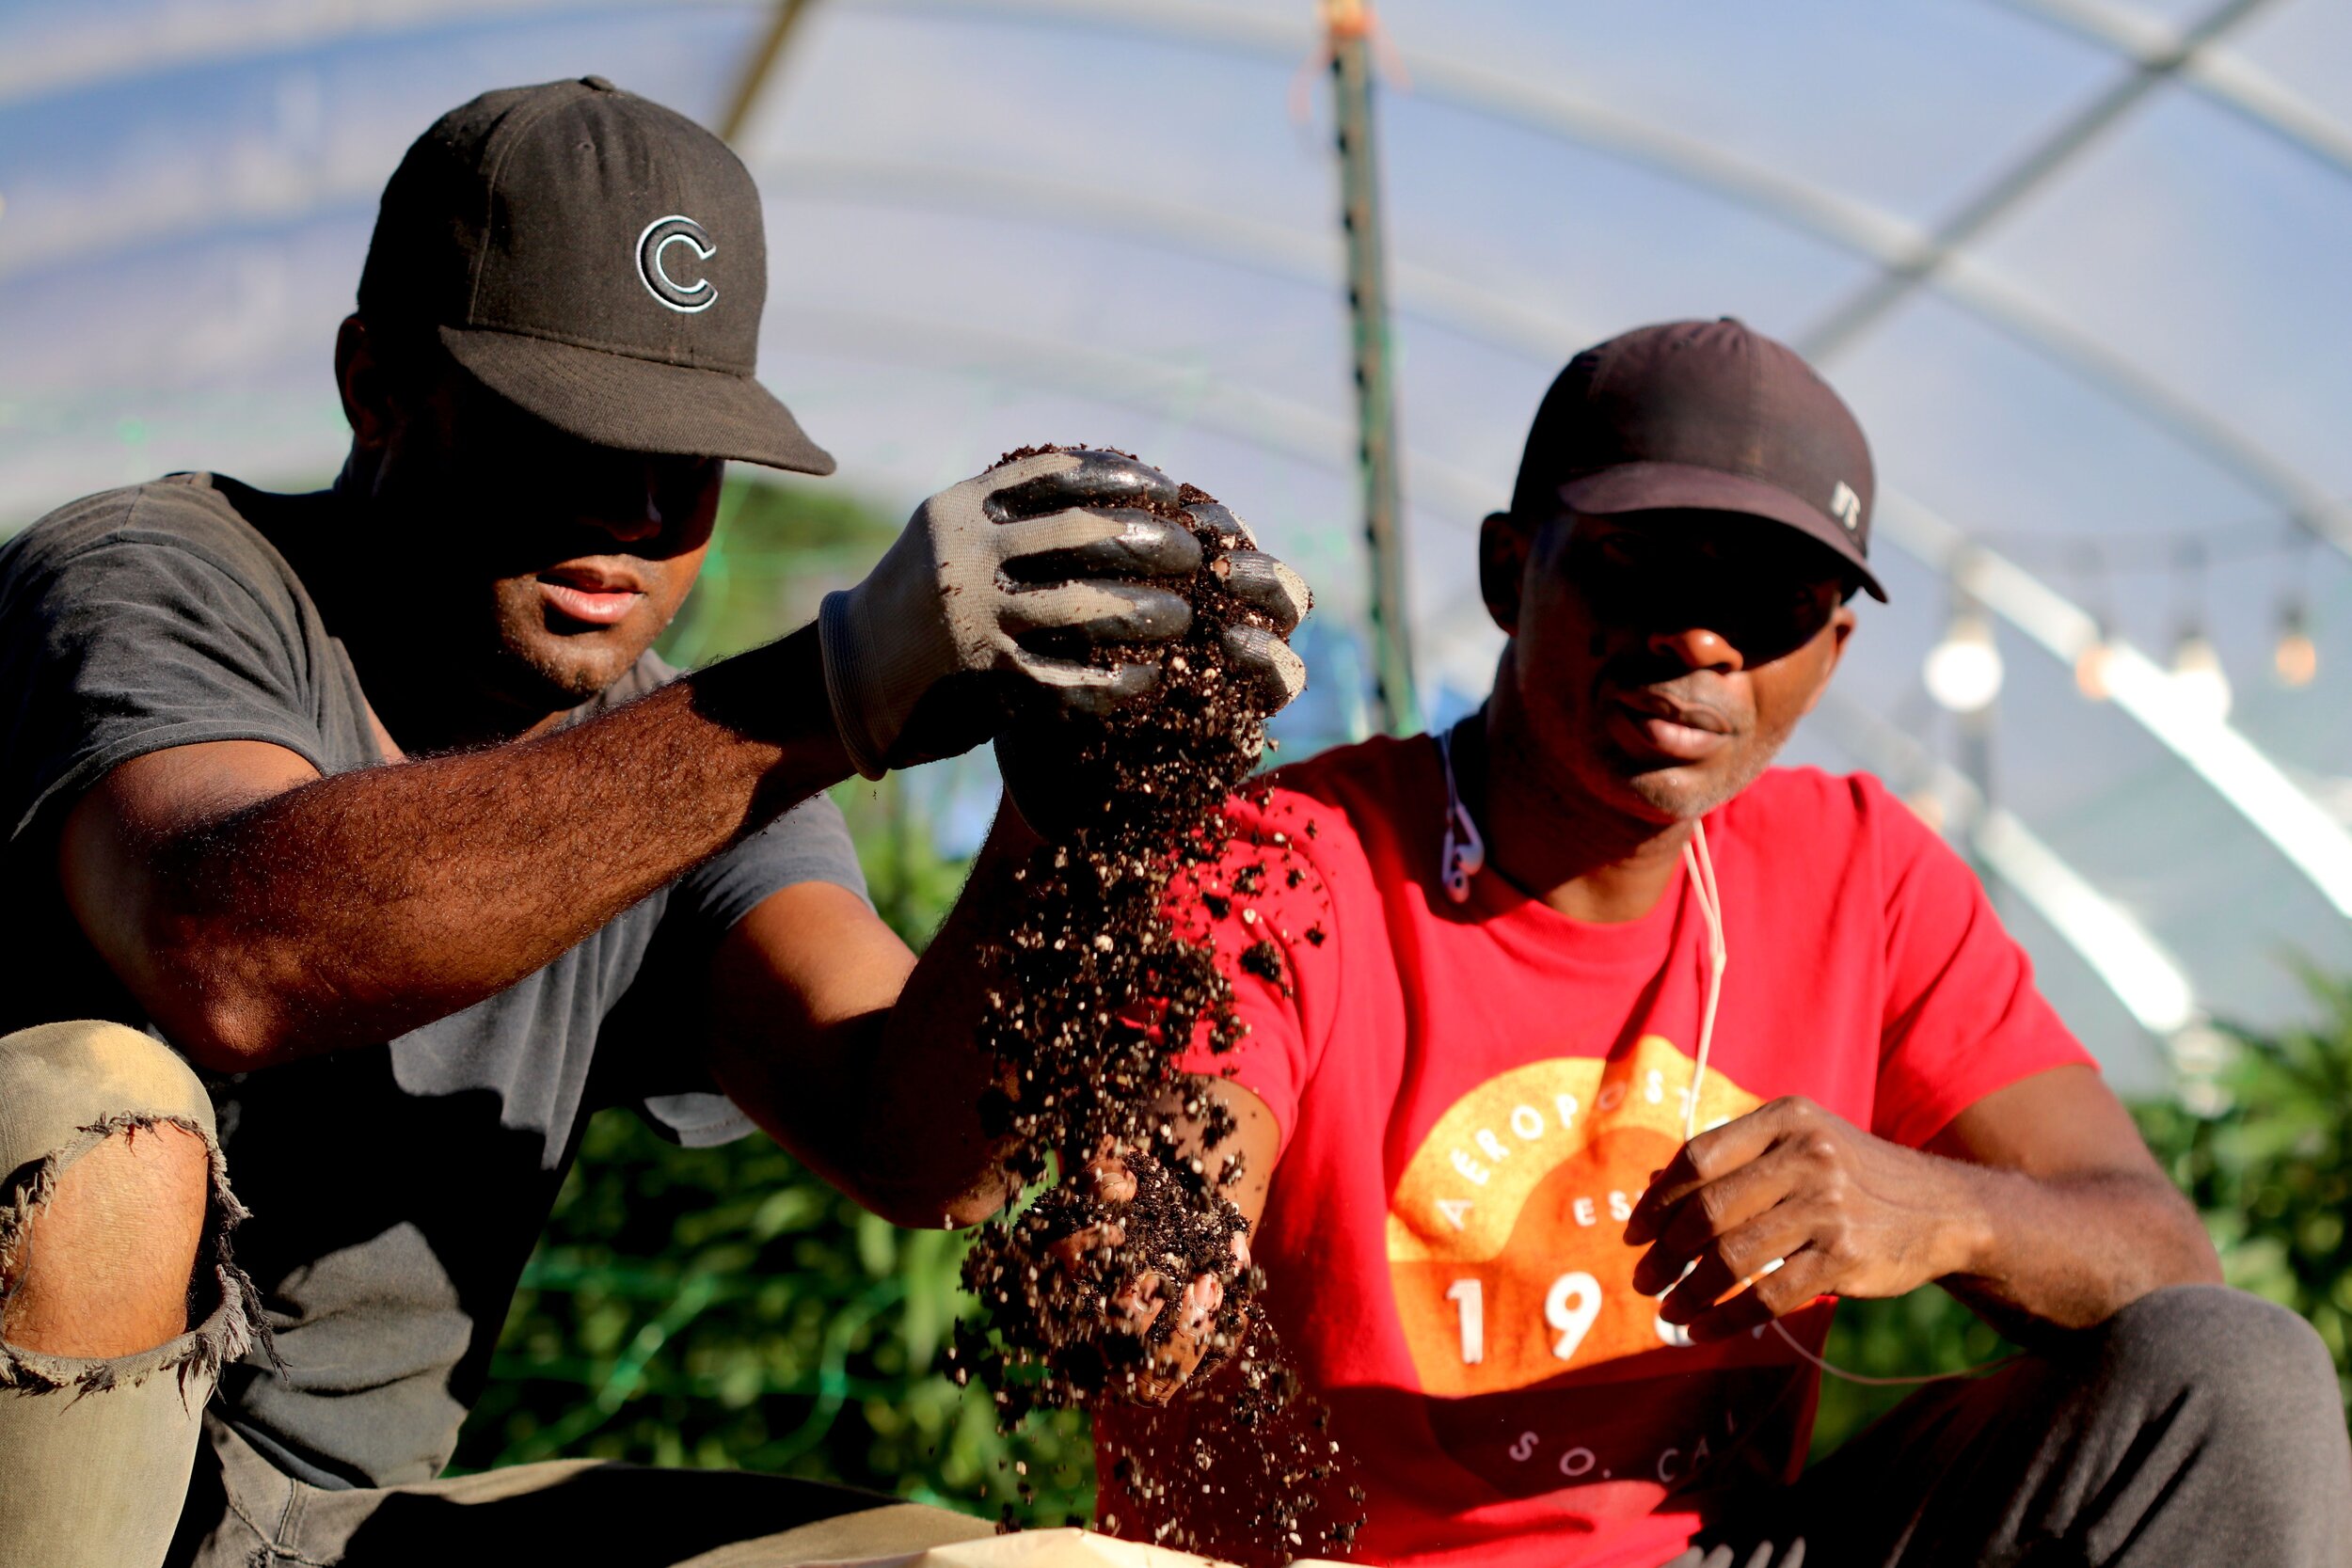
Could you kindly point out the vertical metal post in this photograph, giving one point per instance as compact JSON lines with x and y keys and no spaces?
{"x":760,"y":66}
{"x":1350,"y":25}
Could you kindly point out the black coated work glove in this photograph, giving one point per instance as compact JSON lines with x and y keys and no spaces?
{"x":987,"y":604}
{"x":1052,"y":762}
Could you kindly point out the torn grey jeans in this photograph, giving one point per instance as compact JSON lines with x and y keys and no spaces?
{"x":95,"y":1454}
{"x":114,"y":1463}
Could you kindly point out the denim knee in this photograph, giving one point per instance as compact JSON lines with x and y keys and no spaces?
{"x":98,"y":1449}
{"x":66,"y":1088}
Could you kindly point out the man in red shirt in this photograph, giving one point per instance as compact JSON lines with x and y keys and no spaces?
{"x":1601,"y":1058}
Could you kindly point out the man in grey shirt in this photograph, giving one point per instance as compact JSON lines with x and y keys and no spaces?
{"x":374,"y":808}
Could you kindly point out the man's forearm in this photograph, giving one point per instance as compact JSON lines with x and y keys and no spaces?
{"x":886,"y":1104}
{"x":2038,"y":1205}
{"x":2070,"y":1251}
{"x":918,"y":1114}
{"x":356,"y":907}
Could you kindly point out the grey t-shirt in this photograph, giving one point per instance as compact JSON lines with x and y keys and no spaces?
{"x":396,"y":1189}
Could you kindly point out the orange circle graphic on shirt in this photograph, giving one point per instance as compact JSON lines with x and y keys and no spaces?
{"x":1506,"y":1233}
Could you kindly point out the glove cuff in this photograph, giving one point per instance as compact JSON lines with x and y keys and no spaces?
{"x":836,"y":642}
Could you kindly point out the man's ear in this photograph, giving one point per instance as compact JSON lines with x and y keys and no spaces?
{"x":1839,"y":631}
{"x":1842,"y":622}
{"x":366,"y":389}
{"x":1503,"y":546}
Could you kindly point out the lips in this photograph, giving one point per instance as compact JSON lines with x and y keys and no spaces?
{"x":597,"y":597}
{"x":1647,"y":721}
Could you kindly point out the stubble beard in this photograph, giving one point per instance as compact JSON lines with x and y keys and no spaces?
{"x":542,"y":670}
{"x":1687,"y":800}
{"x":1587,"y":765}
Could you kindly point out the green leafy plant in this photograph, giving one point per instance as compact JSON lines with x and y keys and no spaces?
{"x":776,"y":551}
{"x":723,"y":1309}
{"x":2272,"y":1172}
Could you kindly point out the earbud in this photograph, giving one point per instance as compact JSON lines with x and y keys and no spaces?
{"x":1465,"y":852}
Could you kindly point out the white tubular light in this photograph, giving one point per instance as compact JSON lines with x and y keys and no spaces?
{"x":2106,"y":935}
{"x":2109,"y":938}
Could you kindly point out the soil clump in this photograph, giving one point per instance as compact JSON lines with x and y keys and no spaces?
{"x":1094,"y":995}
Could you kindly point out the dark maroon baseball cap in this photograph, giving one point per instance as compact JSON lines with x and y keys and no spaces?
{"x":594,"y":259}
{"x":1708,"y":417}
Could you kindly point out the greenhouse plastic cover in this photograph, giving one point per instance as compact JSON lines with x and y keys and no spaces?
{"x":2077,"y":264}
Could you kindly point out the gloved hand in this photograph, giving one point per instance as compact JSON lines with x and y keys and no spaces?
{"x":1041,"y":756}
{"x":1267,"y":586}
{"x":943,"y":640}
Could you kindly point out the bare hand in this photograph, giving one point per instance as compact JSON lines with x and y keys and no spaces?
{"x":1138,"y":1301}
{"x":1793,"y":1203}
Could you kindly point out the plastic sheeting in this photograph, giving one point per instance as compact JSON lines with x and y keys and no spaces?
{"x":995,"y":222}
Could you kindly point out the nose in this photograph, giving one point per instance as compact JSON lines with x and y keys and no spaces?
{"x":1697,"y":648}
{"x":632,"y":510}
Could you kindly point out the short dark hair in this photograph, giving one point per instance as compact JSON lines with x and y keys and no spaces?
{"x":408,"y":352}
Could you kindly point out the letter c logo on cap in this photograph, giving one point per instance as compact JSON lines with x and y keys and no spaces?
{"x":653,"y":247}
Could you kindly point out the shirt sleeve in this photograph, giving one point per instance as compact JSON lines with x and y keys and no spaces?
{"x":810,"y":842}
{"x":136,"y":623}
{"x":1963,"y":1015}
{"x":1265,"y":909}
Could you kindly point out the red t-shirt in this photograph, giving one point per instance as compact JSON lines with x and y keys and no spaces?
{"x":1472,"y":1096}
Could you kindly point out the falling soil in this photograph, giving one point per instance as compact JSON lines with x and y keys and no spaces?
{"x":1093,"y":997}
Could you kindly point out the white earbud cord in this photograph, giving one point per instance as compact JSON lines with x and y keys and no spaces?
{"x":1701,"y":866}
{"x":1464,"y":855}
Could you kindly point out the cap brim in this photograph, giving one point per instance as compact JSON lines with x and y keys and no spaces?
{"x":632,"y":404}
{"x":1683,"y":487}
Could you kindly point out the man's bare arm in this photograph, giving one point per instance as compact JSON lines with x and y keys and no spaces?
{"x":861,"y":1061}
{"x":894,"y":1120}
{"x":2084,"y":1220}
{"x":2039,"y":1205}
{"x":260,"y":912}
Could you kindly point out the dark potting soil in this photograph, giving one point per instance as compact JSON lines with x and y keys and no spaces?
{"x":1093,"y":996}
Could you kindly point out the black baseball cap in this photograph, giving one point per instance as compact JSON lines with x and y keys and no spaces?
{"x":1702,"y":415}
{"x":595,"y":260}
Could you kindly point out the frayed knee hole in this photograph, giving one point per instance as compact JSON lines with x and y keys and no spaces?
{"x":105,"y":1247}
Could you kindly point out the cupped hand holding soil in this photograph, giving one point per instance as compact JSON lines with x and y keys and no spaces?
{"x":1168,"y":1302}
